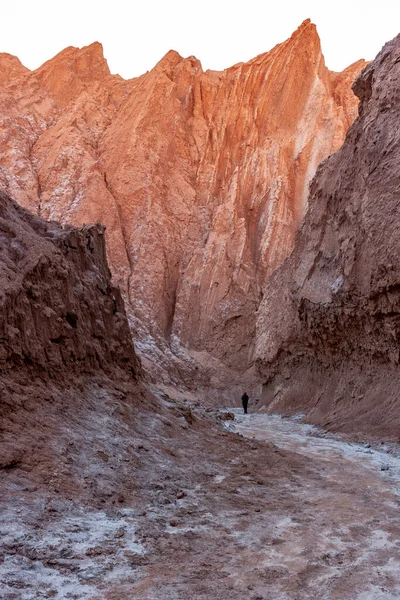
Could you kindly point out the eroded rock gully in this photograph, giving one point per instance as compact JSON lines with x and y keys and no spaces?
{"x":109,"y":490}
{"x":201,"y":179}
{"x":328,"y":328}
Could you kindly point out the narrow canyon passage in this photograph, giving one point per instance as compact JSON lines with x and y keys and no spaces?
{"x":200,"y":251}
{"x":285,"y":512}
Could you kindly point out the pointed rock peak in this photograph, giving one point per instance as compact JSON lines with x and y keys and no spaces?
{"x":305,"y":23}
{"x":307,"y":28}
{"x":90,"y":61}
{"x":171,"y":59}
{"x":94,"y":55}
{"x":94,"y":48}
{"x":87,"y":62}
{"x":306,"y":40}
{"x":195,"y":62}
{"x":10,"y":67}
{"x":70,"y":72}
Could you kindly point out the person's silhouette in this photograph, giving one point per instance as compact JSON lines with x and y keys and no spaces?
{"x":245,"y":401}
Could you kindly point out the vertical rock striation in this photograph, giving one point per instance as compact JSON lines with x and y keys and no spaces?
{"x":200,"y":178}
{"x":328,"y":329}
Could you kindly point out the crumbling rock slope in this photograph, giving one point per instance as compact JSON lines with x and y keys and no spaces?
{"x":101,"y":490}
{"x":201,"y":179}
{"x":63,"y":331}
{"x":328,"y":329}
{"x":59,"y":311}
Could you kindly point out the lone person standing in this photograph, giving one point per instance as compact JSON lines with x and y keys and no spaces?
{"x":245,"y":400}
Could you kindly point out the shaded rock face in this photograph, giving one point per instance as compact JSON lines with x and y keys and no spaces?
{"x":201,"y":179}
{"x":64,"y":339}
{"x":328,"y":329}
{"x":59,"y":313}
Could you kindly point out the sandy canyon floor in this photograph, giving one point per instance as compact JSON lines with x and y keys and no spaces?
{"x":285,"y":512}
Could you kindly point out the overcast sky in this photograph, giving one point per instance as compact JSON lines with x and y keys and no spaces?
{"x":136,"y":34}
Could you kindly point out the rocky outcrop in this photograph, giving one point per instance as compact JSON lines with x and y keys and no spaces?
{"x":200,"y":178}
{"x":329,"y":326}
{"x":63,"y":332}
{"x":59,"y":314}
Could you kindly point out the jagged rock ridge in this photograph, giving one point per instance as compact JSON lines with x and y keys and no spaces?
{"x":329,"y":327}
{"x":200,"y":178}
{"x":59,"y":312}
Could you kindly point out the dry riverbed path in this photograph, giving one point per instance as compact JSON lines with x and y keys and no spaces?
{"x":259,"y":508}
{"x":350,"y":536}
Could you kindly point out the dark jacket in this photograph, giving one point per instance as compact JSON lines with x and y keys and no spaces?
{"x":245,"y":399}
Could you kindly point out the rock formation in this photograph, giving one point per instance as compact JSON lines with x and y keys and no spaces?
{"x":200,"y":178}
{"x":61,"y":320}
{"x":329,"y":326}
{"x":59,"y":312}
{"x":97,"y":475}
{"x":107,"y":491}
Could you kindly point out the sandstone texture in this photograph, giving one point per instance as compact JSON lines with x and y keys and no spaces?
{"x":110,"y":491}
{"x":61,"y":321}
{"x":328,"y":329}
{"x":59,"y":311}
{"x":201,"y":179}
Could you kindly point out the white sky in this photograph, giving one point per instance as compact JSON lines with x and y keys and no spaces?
{"x":137,"y":33}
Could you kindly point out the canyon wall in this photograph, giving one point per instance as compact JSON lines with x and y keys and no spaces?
{"x":328,"y":330}
{"x":201,"y":179}
{"x":65,"y":345}
{"x":101,"y":484}
{"x":59,"y":313}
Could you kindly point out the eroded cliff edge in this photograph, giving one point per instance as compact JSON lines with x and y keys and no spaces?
{"x":59,"y":312}
{"x":200,"y":178}
{"x":64,"y":341}
{"x":328,"y":329}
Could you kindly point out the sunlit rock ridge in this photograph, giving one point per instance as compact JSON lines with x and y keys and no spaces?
{"x":329,"y":326}
{"x":201,"y":179}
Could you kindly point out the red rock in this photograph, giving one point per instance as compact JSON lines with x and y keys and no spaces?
{"x":330,"y":315}
{"x":201,"y":179}
{"x":59,"y":313}
{"x":10,"y":68}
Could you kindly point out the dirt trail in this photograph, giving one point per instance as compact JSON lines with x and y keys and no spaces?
{"x":351,"y":536}
{"x":285,"y":513}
